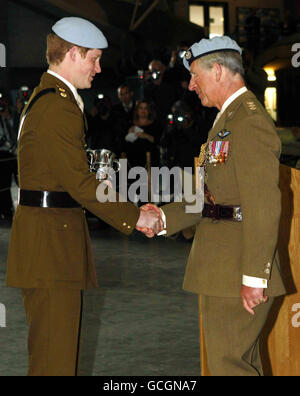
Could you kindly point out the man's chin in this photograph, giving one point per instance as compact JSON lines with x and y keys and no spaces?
{"x":86,"y":85}
{"x":204,"y":102}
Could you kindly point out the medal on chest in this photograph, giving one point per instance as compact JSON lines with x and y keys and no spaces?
{"x":218,"y":152}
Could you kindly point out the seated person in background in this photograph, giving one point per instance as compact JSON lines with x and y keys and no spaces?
{"x":123,"y":114}
{"x":101,"y":133}
{"x":126,"y":105}
{"x":143,"y":136}
{"x":161,"y":87}
{"x":183,"y":136}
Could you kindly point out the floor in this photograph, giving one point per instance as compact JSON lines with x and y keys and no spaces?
{"x":138,"y":323}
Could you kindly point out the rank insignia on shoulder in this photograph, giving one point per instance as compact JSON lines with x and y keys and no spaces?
{"x":251,"y":105}
{"x":62,"y":90}
{"x":63,"y":94}
{"x":223,"y":133}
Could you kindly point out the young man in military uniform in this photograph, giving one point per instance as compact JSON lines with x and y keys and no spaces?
{"x":50,"y":255}
{"x":233,"y":263}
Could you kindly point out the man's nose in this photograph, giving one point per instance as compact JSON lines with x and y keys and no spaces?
{"x":192,"y":84}
{"x":98,"y":67}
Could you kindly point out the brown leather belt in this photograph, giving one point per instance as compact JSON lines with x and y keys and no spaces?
{"x":47,"y":199}
{"x":219,"y":212}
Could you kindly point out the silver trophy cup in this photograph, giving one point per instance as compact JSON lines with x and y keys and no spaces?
{"x":103,"y":162}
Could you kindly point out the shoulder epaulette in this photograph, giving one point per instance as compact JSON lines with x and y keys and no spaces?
{"x":251,"y":107}
{"x":62,"y":92}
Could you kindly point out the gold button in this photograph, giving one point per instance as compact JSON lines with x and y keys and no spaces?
{"x":267,"y":271}
{"x":268,"y":265}
{"x":128,"y":226}
{"x":124,"y":224}
{"x":65,"y":225}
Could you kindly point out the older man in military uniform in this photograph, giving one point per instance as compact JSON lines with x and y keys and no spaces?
{"x":50,"y":255}
{"x":233,"y":263}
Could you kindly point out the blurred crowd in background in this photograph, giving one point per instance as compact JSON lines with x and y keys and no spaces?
{"x":156,"y":121}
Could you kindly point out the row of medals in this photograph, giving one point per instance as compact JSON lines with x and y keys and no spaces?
{"x":217,"y":153}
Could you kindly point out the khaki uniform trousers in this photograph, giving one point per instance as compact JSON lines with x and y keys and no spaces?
{"x":232,"y":336}
{"x":54,"y":320}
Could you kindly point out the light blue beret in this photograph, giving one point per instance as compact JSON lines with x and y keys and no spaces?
{"x":208,"y":46}
{"x":80,"y":32}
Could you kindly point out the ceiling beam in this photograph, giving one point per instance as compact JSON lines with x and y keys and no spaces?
{"x":135,"y":25}
{"x":89,"y":9}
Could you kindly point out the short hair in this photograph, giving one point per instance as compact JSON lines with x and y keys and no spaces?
{"x":58,"y":47}
{"x":232,"y":60}
{"x":125,"y":85}
{"x":151,"y":112}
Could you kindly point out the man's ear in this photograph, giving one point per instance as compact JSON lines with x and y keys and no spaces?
{"x":217,"y":71}
{"x":73,"y":53}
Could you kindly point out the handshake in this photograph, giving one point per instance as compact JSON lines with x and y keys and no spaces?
{"x":150,"y":221}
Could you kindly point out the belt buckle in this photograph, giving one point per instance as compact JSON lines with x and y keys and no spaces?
{"x":237,"y":213}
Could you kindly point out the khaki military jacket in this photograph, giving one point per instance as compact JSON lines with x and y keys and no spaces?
{"x":223,"y":251}
{"x":51,"y":247}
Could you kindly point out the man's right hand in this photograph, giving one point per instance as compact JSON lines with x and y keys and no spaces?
{"x":150,"y":221}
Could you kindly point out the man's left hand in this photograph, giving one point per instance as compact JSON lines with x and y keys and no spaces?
{"x":251,"y":297}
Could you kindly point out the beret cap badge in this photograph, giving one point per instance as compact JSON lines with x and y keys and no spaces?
{"x":188,"y":55}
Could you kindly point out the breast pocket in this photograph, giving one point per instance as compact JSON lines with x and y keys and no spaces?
{"x":221,"y":179}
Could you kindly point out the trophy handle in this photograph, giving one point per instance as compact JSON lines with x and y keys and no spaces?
{"x":90,"y":156}
{"x":118,"y":165}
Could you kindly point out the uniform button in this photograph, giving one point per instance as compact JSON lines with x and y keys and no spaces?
{"x":269,"y":265}
{"x":128,"y":226}
{"x":65,"y":225}
{"x":267,"y":271}
{"x":124,"y":224}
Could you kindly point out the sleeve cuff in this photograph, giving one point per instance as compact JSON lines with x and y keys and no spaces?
{"x":251,"y":281}
{"x":163,"y":216}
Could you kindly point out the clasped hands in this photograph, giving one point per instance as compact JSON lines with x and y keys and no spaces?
{"x":150,"y":221}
